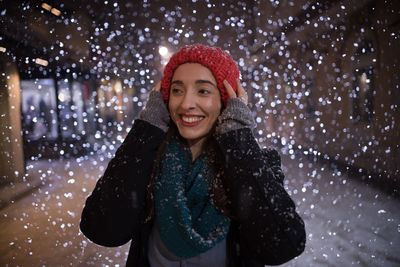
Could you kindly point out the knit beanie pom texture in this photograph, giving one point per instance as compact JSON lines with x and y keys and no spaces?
{"x":219,"y":62}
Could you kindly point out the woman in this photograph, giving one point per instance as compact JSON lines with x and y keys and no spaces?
{"x":190,"y":185}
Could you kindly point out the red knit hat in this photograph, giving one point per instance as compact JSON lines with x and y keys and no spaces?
{"x":219,"y":62}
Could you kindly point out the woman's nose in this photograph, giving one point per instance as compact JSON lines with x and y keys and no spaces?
{"x":188,"y":101}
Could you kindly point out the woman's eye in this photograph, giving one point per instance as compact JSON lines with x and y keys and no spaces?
{"x":176,"y":91}
{"x":204,"y":92}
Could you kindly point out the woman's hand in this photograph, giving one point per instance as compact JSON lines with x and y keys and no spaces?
{"x":235,"y":115}
{"x":157,"y":87}
{"x":155,"y":111}
{"x":241,"y":93}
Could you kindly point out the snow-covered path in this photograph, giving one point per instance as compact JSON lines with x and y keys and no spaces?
{"x":348,"y":222}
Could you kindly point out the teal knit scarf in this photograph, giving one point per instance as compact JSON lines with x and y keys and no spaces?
{"x":186,"y":218}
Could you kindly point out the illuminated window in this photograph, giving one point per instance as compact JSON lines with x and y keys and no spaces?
{"x":363,"y":95}
{"x":39,"y":117}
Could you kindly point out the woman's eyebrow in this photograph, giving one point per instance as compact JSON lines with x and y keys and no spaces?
{"x":205,"y":81}
{"x":177,"y":82}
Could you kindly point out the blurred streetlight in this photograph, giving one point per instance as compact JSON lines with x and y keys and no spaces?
{"x":165,"y":54}
{"x":163,"y":51}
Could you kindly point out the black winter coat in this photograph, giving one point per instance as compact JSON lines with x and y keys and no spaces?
{"x":266,"y":228}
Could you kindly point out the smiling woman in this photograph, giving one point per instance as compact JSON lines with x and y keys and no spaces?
{"x":190,"y":185}
{"x":194,"y":104}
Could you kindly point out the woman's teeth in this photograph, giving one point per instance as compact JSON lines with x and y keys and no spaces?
{"x":191,"y":119}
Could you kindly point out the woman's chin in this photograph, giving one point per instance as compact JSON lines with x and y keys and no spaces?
{"x":192,"y":136}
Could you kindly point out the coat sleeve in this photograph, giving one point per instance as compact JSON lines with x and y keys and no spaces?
{"x":114,"y":210}
{"x":269,"y":229}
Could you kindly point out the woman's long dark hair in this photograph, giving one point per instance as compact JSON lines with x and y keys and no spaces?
{"x":218,"y":193}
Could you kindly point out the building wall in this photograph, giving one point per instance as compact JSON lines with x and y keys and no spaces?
{"x":309,"y":80}
{"x":11,"y":148}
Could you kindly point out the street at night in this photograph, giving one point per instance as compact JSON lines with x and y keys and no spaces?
{"x":317,"y":80}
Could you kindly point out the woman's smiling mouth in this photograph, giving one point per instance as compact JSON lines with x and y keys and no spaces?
{"x":191,"y":120}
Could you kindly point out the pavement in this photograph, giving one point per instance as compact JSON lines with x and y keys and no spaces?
{"x":347,"y":222}
{"x":13,"y":191}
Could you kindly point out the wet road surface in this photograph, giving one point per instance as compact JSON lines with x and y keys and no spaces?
{"x":347,"y":222}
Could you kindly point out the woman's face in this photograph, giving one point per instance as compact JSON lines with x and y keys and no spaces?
{"x":194,"y":101}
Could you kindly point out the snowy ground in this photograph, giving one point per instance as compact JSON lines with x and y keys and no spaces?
{"x":347,"y":222}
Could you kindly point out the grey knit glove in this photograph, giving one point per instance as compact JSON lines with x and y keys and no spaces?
{"x":235,"y":116}
{"x":156,"y":112}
